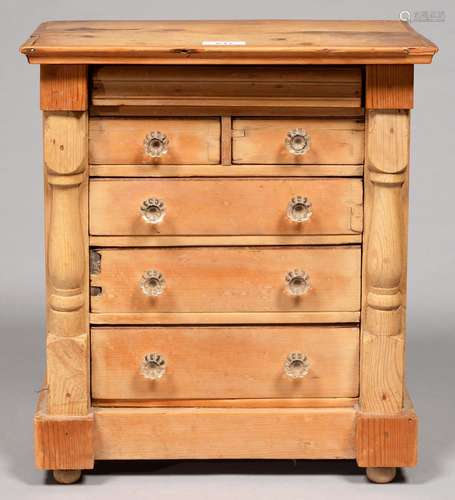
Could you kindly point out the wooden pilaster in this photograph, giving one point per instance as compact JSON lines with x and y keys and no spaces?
{"x":384,"y":267}
{"x":64,"y":421}
{"x":65,"y":159}
{"x":386,"y":428}
{"x":65,"y":145}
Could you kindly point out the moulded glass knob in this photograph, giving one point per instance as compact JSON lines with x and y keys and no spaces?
{"x":156,"y":144}
{"x":297,"y":141}
{"x":299,"y":209}
{"x":297,"y":282}
{"x":152,"y":283}
{"x":296,"y":365}
{"x":153,"y":366}
{"x":153,"y":210}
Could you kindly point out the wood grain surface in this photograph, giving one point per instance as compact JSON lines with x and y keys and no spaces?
{"x":228,"y":403}
{"x":162,"y":433}
{"x":388,"y":440}
{"x":65,"y":158}
{"x":385,"y":262}
{"x":64,"y":87}
{"x":63,"y":442}
{"x":225,"y":206}
{"x":228,"y":279}
{"x":221,"y":87}
{"x":333,"y":141}
{"x":191,"y":141}
{"x":224,"y":362}
{"x":239,"y":170}
{"x":261,"y":41}
{"x":226,"y":318}
{"x":389,"y":86}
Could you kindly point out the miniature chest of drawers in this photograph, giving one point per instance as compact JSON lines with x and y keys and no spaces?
{"x":226,"y":239}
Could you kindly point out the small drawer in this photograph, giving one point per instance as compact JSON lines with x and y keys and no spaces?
{"x":224,"y":362}
{"x":323,"y":141}
{"x":227,"y":279}
{"x":161,"y":141}
{"x":225,"y":206}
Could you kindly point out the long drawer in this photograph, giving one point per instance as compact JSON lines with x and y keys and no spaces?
{"x":225,"y":206}
{"x":229,"y":88}
{"x":298,"y":141}
{"x":227,"y":279}
{"x":156,"y":141}
{"x":224,"y":362}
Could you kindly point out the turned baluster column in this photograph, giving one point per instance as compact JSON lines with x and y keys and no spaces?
{"x":65,"y":159}
{"x":382,"y":355}
{"x":388,"y":100}
{"x":386,"y":425}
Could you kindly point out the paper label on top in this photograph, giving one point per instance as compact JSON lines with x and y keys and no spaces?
{"x":223,"y":42}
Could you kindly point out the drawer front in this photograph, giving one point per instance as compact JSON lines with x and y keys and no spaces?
{"x":227,"y":279}
{"x":225,"y":362}
{"x":133,"y":141}
{"x":225,"y":207}
{"x":297,"y":141}
{"x":239,"y":89}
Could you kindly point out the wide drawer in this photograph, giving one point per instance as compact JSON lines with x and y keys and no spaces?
{"x":160,"y":141}
{"x":224,"y":88}
{"x":225,"y":362}
{"x":227,"y":279}
{"x":225,"y":206}
{"x":298,"y":140}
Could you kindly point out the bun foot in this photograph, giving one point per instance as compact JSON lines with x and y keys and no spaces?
{"x":381,"y":475}
{"x":66,"y":476}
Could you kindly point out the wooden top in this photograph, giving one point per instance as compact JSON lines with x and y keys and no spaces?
{"x":227,"y":42}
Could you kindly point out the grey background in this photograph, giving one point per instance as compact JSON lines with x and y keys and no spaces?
{"x":431,"y":339}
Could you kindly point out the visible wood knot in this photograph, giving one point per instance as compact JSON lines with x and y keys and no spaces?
{"x":184,"y":52}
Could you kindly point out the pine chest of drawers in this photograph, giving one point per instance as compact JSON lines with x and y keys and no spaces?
{"x":226,"y":219}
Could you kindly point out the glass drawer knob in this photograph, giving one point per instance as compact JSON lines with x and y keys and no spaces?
{"x":153,"y":366}
{"x":296,"y":365}
{"x":297,"y":141}
{"x":299,"y":209}
{"x":297,"y":282}
{"x":153,"y":210}
{"x":156,"y":144}
{"x":152,"y":283}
